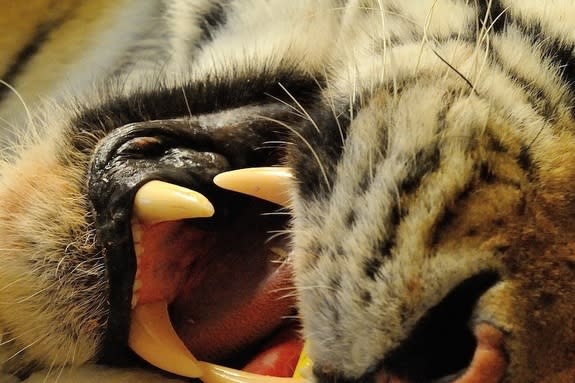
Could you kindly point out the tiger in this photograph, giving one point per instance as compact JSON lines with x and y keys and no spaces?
{"x":387,"y":182}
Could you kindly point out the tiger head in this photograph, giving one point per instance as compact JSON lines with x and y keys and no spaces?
{"x":428,"y":209}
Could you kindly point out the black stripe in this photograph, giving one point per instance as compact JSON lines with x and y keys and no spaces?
{"x":372,"y":265}
{"x":26,"y":54}
{"x":384,"y":248}
{"x":560,"y":53}
{"x":211,"y":21}
{"x":524,"y":159}
{"x":536,"y":95}
{"x":442,"y":223}
{"x":427,"y":160}
{"x":555,"y":49}
{"x":324,"y":144}
{"x":497,"y":17}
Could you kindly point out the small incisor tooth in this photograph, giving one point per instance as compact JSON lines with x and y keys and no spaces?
{"x":159,"y":201}
{"x":268,"y":183}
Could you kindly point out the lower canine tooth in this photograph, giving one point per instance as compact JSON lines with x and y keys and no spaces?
{"x":268,"y":183}
{"x":154,"y":339}
{"x":159,"y":201}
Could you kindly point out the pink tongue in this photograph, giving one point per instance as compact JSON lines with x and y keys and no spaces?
{"x":279,"y":356}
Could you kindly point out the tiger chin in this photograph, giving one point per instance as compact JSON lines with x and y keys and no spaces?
{"x":414,"y":162}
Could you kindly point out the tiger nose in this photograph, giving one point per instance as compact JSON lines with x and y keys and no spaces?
{"x":443,"y":347}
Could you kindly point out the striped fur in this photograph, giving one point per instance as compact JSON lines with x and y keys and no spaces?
{"x":434,"y":147}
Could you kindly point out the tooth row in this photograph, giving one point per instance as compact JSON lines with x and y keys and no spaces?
{"x":159,"y":201}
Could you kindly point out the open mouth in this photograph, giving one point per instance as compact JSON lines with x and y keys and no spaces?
{"x":205,"y":290}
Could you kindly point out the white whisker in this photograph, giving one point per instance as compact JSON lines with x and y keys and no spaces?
{"x":40,"y":339}
{"x":309,"y":146}
{"x":21,"y":99}
{"x":187,"y":103}
{"x":303,"y":110}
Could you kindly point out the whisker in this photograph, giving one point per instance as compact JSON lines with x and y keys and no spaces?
{"x":332,"y":107}
{"x":456,"y":71}
{"x":306,"y":114}
{"x":40,"y":339}
{"x":276,"y":234}
{"x":425,"y":37}
{"x":20,"y":98}
{"x":293,"y":108}
{"x":49,"y":372}
{"x":306,"y":142}
{"x":4,"y":342}
{"x":25,"y":299}
{"x":186,"y":100}
{"x":484,"y":37}
{"x":274,"y":213}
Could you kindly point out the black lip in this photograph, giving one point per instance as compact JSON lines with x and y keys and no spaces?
{"x":125,"y":160}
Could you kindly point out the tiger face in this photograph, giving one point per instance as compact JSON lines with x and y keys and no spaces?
{"x":425,"y":218}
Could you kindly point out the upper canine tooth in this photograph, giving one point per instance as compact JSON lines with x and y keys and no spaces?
{"x":268,"y":183}
{"x":159,"y":201}
{"x":154,"y":339}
